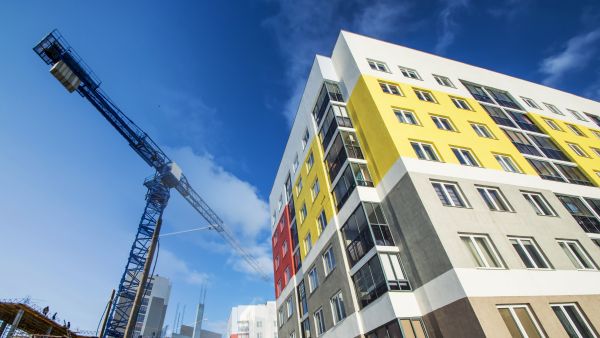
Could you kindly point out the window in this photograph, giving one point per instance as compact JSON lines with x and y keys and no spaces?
{"x":442,"y":123}
{"x":313,"y":280}
{"x":292,"y":334}
{"x":520,"y":321}
{"x":322,"y":221}
{"x":478,"y":92}
{"x":306,"y":328}
{"x":307,"y":243}
{"x":424,"y":95}
{"x":379,"y":226}
{"x":278,"y":286}
{"x":460,"y":103}
{"x":553,"y":109}
{"x":310,"y":161}
{"x":575,"y":129}
{"x":577,"y":150}
{"x":393,"y":271}
{"x":553,"y":125}
{"x":305,"y":139}
{"x":577,"y":255}
{"x":538,"y":203}
{"x":411,"y":327}
{"x":259,"y":323}
{"x":531,"y":103}
{"x":410,"y":73}
{"x":494,"y":199}
{"x":482,"y":130}
{"x":378,"y":65}
{"x":289,"y":306}
{"x":443,"y":81}
{"x":596,"y":133}
{"x":390,"y":88}
{"x":287,"y":274}
{"x":328,"y":261}
{"x":284,"y":247}
{"x":507,"y":163}
{"x":302,"y":298}
{"x":370,"y":282}
{"x":425,"y":151}
{"x":319,"y":322}
{"x":303,"y":213}
{"x":596,"y":241}
{"x":596,"y":151}
{"x":280,"y":317}
{"x":316,"y":188}
{"x":295,"y":165}
{"x":277,"y":262}
{"x":465,"y":157}
{"x":581,"y":213}
{"x":573,"y":320}
{"x":482,"y":251}
{"x":299,"y":186}
{"x":406,"y":116}
{"x":529,"y":252}
{"x":577,"y":115}
{"x":337,"y":307}
{"x":449,"y":194}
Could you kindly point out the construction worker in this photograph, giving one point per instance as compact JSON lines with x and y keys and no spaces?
{"x":45,"y":311}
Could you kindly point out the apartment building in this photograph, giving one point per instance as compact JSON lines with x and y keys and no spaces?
{"x":152,"y":312}
{"x":252,"y":321}
{"x":419,"y":196}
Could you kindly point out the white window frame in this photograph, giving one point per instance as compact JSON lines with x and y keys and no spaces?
{"x":295,"y":164}
{"x":401,"y":116}
{"x":577,"y":115}
{"x":443,"y":81}
{"x":410,"y":73}
{"x":422,"y":146}
{"x":575,"y":130}
{"x":520,"y":242}
{"x":334,"y":302}
{"x":460,"y":103}
{"x":563,"y":243}
{"x":596,"y":133}
{"x":577,"y":150}
{"x":482,"y":130}
{"x":506,"y":162}
{"x":289,"y":307}
{"x":562,"y":306}
{"x":322,"y":221}
{"x":310,"y":161}
{"x":530,"y":102}
{"x":518,"y":321}
{"x":538,"y":204}
{"x":495,"y":206}
{"x":287,"y":274}
{"x":313,"y":285}
{"x":470,"y":162}
{"x":553,"y":125}
{"x":319,"y":329}
{"x":479,"y":250}
{"x":303,"y":213}
{"x":553,"y":108}
{"x":316,"y":189}
{"x":424,"y":95}
{"x":596,"y":151}
{"x":299,"y":186}
{"x":305,"y":138}
{"x":325,"y":257}
{"x":459,"y":193}
{"x":308,"y":243}
{"x":438,"y":121}
{"x":281,"y":317}
{"x":378,"y":65}
{"x":389,"y":88}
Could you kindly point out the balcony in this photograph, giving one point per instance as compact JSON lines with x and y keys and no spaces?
{"x":589,"y":224}
{"x":527,"y":149}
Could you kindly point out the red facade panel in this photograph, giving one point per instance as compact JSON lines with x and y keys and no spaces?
{"x":281,"y":242}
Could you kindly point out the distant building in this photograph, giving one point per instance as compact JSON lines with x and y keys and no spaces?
{"x":186,"y":331}
{"x":154,"y":307}
{"x":252,"y":321}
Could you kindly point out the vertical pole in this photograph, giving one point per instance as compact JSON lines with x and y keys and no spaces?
{"x":15,"y":323}
{"x":139,"y":295}
{"x":105,"y":320}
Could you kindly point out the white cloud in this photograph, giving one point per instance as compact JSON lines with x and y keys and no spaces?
{"x":449,"y":26}
{"x":171,"y":266}
{"x":575,"y":55}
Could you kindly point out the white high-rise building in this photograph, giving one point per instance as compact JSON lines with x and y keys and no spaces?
{"x":154,"y":307}
{"x":252,"y":321}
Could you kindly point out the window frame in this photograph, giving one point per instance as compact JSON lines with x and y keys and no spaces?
{"x":554,"y":109}
{"x":313,"y":285}
{"x":462,"y":157}
{"x":482,"y":258}
{"x":552,"y":124}
{"x":577,"y":115}
{"x":575,"y":130}
{"x":443,"y":81}
{"x":308,"y":243}
{"x":421,"y":146}
{"x":422,"y":94}
{"x":461,"y":103}
{"x":388,"y":88}
{"x":401,"y":116}
{"x":535,"y":203}
{"x":530,"y":103}
{"x":520,"y":242}
{"x":491,"y":200}
{"x":504,"y":159}
{"x":374,"y":65}
{"x":439,"y":120}
{"x":517,"y":320}
{"x":333,"y":301}
{"x":305,"y":138}
{"x":477,"y":127}
{"x":310,"y":161}
{"x":325,"y":257}
{"x":410,"y":73}
{"x":315,"y":190}
{"x":320,"y":326}
{"x":576,"y":148}
{"x":289,"y":307}
{"x":579,"y":312}
{"x":458,"y":193}
{"x":563,"y":243}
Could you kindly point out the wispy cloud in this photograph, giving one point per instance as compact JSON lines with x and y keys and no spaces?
{"x":449,"y":26}
{"x":178,"y":270}
{"x":575,"y":55}
{"x":509,"y":10}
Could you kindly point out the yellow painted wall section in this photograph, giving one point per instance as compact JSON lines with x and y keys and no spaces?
{"x":589,"y":165}
{"x":323,"y":201}
{"x":385,"y":138}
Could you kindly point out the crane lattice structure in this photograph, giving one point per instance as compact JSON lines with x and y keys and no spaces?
{"x":75,"y":75}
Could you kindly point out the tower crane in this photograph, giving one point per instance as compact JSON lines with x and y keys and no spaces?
{"x":68,"y":67}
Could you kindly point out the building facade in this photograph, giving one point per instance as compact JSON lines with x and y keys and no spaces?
{"x":252,"y":321}
{"x":423,"y":197}
{"x":152,"y":312}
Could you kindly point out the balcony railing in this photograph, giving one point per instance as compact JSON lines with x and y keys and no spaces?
{"x":589,"y":224}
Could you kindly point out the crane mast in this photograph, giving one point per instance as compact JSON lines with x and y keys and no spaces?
{"x":75,"y":75}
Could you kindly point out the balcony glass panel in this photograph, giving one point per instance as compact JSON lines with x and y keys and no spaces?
{"x":361,"y":174}
{"x":522,"y":143}
{"x":549,"y":148}
{"x":370,"y":282}
{"x":335,"y":157}
{"x":574,"y":175}
{"x":478,"y":93}
{"x":582,"y":215}
{"x":524,"y":121}
{"x":546,"y":170}
{"x":357,"y":236}
{"x":498,"y":116}
{"x":344,"y":187}
{"x":378,"y":223}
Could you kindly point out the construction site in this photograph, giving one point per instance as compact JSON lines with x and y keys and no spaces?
{"x":131,"y":303}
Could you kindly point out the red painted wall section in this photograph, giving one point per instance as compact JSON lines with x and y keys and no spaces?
{"x":280,"y":240}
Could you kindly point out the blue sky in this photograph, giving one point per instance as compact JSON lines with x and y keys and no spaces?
{"x":216,"y":84}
